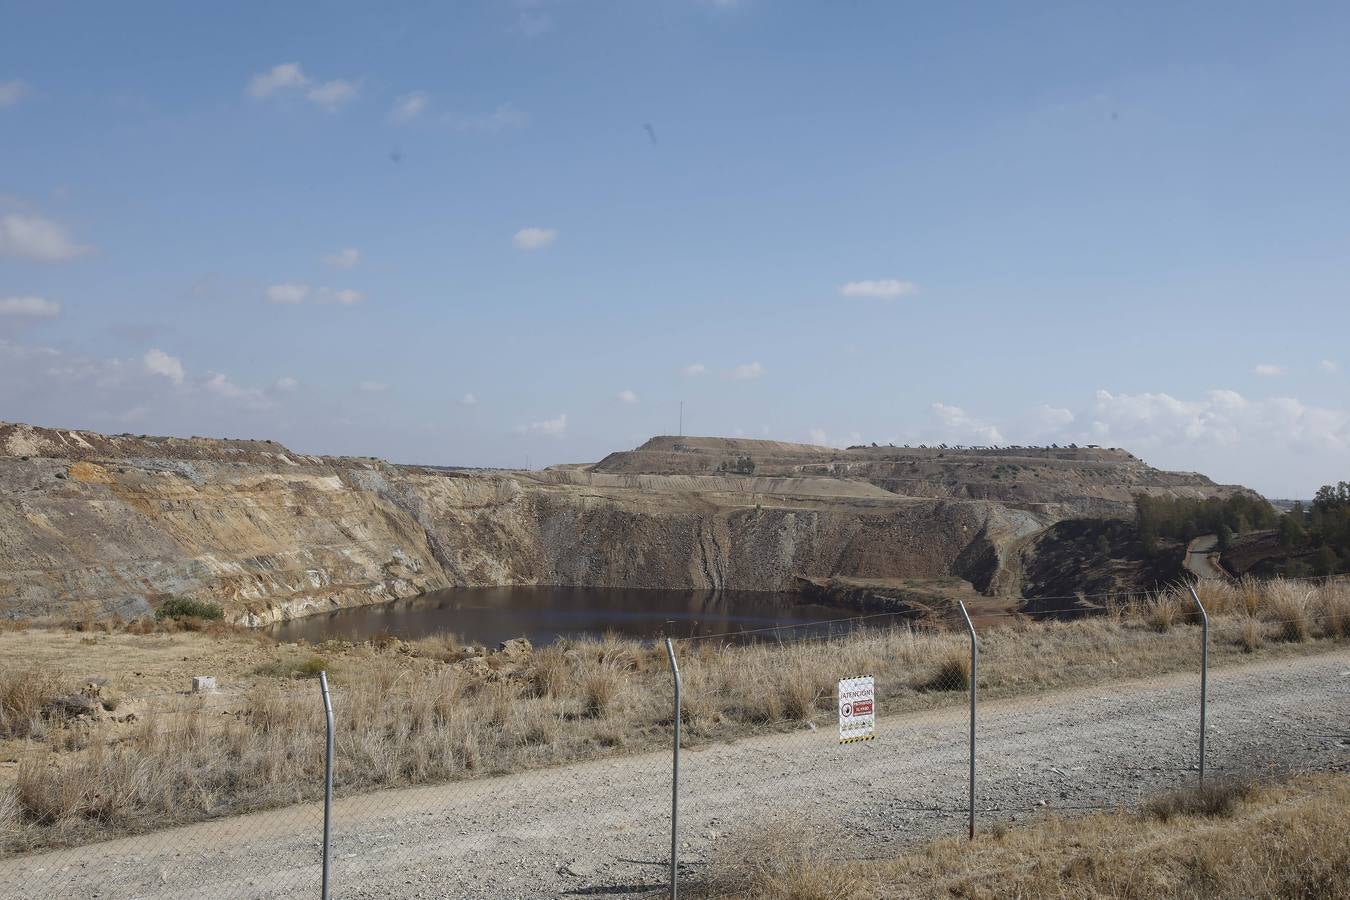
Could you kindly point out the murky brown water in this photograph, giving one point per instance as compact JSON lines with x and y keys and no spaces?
{"x":543,"y":614}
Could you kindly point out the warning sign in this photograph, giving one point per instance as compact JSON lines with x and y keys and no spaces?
{"x":857,"y":709}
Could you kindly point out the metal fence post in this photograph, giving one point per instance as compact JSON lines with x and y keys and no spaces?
{"x":1204,"y":675}
{"x":327,"y":783}
{"x":675,"y":781}
{"x":974,"y":675}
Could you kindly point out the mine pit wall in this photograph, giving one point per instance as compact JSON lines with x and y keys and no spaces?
{"x":284,"y":538}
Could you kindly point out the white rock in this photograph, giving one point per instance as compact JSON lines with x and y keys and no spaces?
{"x":202,"y":684}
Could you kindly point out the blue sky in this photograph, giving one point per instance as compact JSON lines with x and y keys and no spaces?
{"x":481,"y":233}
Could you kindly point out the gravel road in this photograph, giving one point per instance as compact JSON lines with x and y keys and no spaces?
{"x":601,"y":828}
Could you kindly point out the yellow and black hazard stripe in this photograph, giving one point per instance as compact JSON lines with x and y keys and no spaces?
{"x":854,"y":740}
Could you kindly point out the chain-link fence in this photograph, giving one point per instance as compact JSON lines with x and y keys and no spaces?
{"x":550,"y":771}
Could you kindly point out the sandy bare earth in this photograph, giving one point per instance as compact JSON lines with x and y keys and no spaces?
{"x":600,"y":828}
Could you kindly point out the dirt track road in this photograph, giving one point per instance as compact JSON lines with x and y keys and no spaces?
{"x":600,"y":828}
{"x":1202,"y":557}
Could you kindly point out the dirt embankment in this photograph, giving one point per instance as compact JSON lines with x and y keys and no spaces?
{"x":1065,"y":482}
{"x":115,"y":525}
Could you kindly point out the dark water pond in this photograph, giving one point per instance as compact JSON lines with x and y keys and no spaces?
{"x":544,"y":614}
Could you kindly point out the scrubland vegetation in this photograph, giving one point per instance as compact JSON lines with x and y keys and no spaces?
{"x":1312,"y":540}
{"x":1225,"y":841}
{"x":434,"y":710}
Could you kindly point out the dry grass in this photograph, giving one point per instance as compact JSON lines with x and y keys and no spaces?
{"x":1252,"y":637}
{"x":1291,"y":608}
{"x":28,"y":697}
{"x":1286,"y":841}
{"x":446,"y":647}
{"x":952,"y":673}
{"x":782,"y":861}
{"x":1161,"y":612}
{"x":406,"y":717}
{"x":1216,"y":798}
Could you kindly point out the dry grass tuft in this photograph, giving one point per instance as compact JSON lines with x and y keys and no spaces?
{"x":1333,"y":606}
{"x":781,"y":861}
{"x":1217,"y":799}
{"x":1286,"y":841}
{"x":1288,"y":607}
{"x":445,"y":647}
{"x":1252,"y":636}
{"x":1162,"y":612}
{"x":601,"y":684}
{"x":952,"y":672}
{"x":28,"y":697}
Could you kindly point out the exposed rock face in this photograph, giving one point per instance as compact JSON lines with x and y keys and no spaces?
{"x":115,"y":525}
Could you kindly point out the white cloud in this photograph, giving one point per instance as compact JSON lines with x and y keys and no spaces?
{"x":287,"y":293}
{"x":33,"y":237}
{"x":333,"y":95}
{"x":372,"y":387}
{"x":285,"y":384}
{"x":554,"y":427}
{"x":343,"y":297}
{"x":883,"y":289}
{"x":695,"y":369}
{"x":1052,"y":416}
{"x":295,"y":292}
{"x":1267,"y":370}
{"x":157,"y":362}
{"x":251,"y":398}
{"x":289,"y":77}
{"x":534,"y":238}
{"x":29,"y":307}
{"x":961,"y":428}
{"x":468,"y":399}
{"x":1329,"y":367}
{"x":281,"y":77}
{"x":218,"y":383}
{"x":500,"y":119}
{"x":11,"y":92}
{"x":409,"y":106}
{"x":818,"y":436}
{"x":626,"y":396}
{"x":345,"y":258}
{"x":747,"y":371}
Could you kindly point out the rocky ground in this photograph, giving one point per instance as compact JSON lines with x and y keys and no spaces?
{"x":601,"y":828}
{"x":96,"y":526}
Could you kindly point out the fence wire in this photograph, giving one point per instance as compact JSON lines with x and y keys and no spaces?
{"x":547,"y":772}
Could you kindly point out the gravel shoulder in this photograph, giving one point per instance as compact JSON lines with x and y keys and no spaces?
{"x":601,"y":828}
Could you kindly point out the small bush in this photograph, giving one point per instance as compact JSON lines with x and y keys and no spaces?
{"x":185,"y":608}
{"x":311,"y":667}
{"x":1217,"y":799}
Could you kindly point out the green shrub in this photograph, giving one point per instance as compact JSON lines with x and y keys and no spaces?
{"x":183,"y":608}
